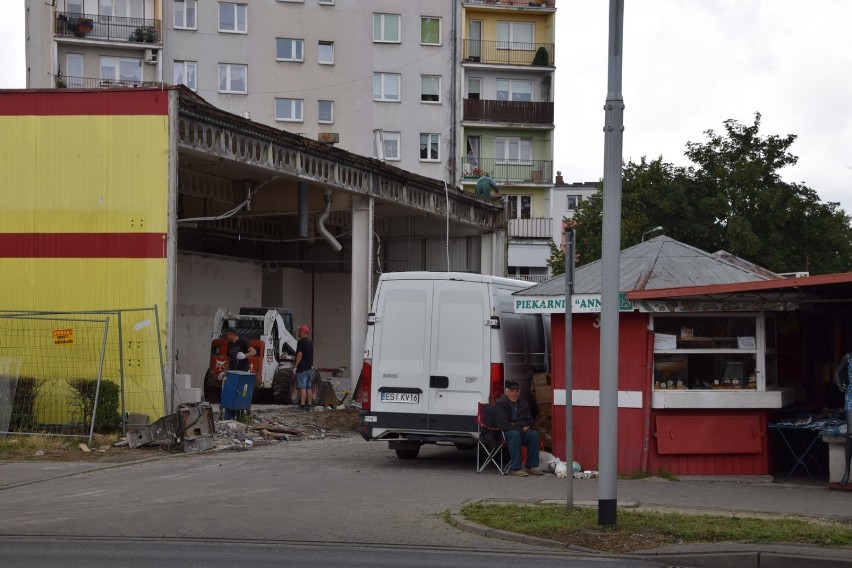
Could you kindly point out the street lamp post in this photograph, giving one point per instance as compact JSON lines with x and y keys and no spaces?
{"x":657,"y":228}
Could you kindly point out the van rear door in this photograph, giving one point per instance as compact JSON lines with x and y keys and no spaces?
{"x":460,"y":355}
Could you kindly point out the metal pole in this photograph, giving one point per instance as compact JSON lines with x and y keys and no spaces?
{"x":613,"y":128}
{"x":98,"y":383}
{"x":569,"y":358}
{"x":121,"y":375}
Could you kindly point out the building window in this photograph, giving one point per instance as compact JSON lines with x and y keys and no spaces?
{"x":185,"y":15}
{"x":390,"y":143}
{"x":386,"y":28}
{"x":430,"y":147}
{"x":325,"y":53}
{"x":430,"y":88}
{"x":519,"y":206}
{"x":287,"y":49}
{"x":122,"y":70}
{"x":511,"y":90}
{"x":513,"y":150}
{"x":430,"y":31}
{"x":289,"y":110}
{"x":325,"y":112}
{"x":327,"y":2}
{"x":515,"y":35}
{"x":73,"y":70}
{"x":185,"y":73}
{"x":574,"y":202}
{"x":474,"y":87}
{"x":233,"y":78}
{"x":386,"y":87}
{"x":232,"y":17}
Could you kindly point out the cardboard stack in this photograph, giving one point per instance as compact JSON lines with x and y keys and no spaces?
{"x":543,"y":396}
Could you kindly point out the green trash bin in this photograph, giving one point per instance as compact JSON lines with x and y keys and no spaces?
{"x":236,"y":393}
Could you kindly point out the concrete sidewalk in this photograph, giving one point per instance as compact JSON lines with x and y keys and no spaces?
{"x":350,"y":491}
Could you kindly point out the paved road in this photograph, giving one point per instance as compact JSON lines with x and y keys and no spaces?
{"x":330,"y":491}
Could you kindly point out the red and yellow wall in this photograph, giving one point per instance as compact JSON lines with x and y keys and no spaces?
{"x":84,"y":183}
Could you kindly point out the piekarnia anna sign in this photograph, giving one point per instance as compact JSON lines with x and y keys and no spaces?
{"x":580,"y":304}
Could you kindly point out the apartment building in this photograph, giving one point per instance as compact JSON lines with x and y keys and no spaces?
{"x":447,"y":89}
{"x":508,"y":63}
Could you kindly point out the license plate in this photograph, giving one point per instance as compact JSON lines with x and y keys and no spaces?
{"x":406,"y":397}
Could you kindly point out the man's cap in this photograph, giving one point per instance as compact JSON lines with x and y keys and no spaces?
{"x":304,"y":329}
{"x":232,"y":330}
{"x":512,"y":385}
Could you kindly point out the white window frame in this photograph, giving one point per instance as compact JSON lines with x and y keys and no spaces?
{"x":320,"y":45}
{"x":573,"y":202}
{"x":380,"y":83}
{"x":237,"y":7}
{"x":506,"y":32}
{"x":72,"y":80}
{"x":514,"y":206}
{"x":477,"y":80}
{"x":117,"y":68}
{"x":424,"y":81}
{"x":319,"y":112}
{"x":325,"y":2}
{"x":423,"y":19}
{"x":296,"y":111}
{"x":297,"y":48}
{"x":188,"y":69}
{"x":511,"y":89}
{"x":392,"y":146}
{"x":503,"y":150}
{"x":432,"y":140}
{"x":381,"y":28}
{"x":227,"y":68}
{"x":185,"y":12}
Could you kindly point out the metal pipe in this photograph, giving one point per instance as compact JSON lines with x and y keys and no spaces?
{"x":321,"y":227}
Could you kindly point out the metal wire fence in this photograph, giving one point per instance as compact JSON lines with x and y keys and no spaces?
{"x":71,"y":374}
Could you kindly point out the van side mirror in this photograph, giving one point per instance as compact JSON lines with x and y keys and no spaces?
{"x":372,"y":318}
{"x":493,"y":323}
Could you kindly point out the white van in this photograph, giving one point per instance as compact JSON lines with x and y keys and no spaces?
{"x":439,"y":343}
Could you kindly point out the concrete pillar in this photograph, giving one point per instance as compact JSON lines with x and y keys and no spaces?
{"x":493,"y":257}
{"x":362,"y":279}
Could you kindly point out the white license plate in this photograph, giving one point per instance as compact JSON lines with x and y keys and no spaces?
{"x":406,"y":397}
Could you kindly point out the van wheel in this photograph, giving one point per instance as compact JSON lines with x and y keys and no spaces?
{"x":407,"y":454}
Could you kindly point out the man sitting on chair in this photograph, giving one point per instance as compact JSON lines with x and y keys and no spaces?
{"x":512,"y":415}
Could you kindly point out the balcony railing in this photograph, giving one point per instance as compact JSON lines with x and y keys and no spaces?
{"x":109,"y":28}
{"x":508,"y":52}
{"x":508,"y":171}
{"x":66,"y":82}
{"x":537,"y":278}
{"x":520,"y":112}
{"x":532,"y":3}
{"x":536,"y":228}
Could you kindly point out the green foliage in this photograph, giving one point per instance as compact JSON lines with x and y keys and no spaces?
{"x":82,"y":399}
{"x":23,"y":405}
{"x":733,"y":199}
{"x":541,"y":57}
{"x":556,"y":262}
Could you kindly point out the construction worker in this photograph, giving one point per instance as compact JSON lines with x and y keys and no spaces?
{"x":304,"y":366}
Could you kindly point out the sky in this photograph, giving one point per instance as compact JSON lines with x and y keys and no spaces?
{"x":688,"y":66}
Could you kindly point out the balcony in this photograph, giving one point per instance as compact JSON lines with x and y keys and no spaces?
{"x":537,"y":278}
{"x":536,"y":228}
{"x":516,"y":112}
{"x":508,"y":171}
{"x":108,"y":28}
{"x":515,"y":3}
{"x":508,"y":53}
{"x":66,"y":82}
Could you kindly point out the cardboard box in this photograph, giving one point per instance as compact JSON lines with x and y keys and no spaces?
{"x":544,"y":409}
{"x":540,"y":380}
{"x":543,"y":395}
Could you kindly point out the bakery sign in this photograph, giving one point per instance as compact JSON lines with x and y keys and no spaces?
{"x":580,"y":304}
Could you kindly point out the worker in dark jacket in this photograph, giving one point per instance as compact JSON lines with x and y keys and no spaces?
{"x":512,"y":415}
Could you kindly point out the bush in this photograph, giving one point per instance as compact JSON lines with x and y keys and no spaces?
{"x":541,"y":57}
{"x":107,"y":418}
{"x":23,"y":405}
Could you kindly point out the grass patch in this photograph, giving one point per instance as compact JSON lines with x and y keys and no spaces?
{"x":640,"y":530}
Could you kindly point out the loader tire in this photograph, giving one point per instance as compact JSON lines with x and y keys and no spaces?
{"x":281,"y":386}
{"x":212,"y":388}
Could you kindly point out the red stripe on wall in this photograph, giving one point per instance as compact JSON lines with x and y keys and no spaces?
{"x":82,"y":245}
{"x":65,"y":102}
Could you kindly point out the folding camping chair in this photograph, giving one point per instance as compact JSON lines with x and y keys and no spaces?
{"x":492,"y":442}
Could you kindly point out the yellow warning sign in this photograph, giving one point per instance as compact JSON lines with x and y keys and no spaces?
{"x":63,"y":336}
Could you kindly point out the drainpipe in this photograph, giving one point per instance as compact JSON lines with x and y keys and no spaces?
{"x":321,"y":227}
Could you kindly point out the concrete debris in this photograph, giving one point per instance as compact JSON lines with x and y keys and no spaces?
{"x":83,"y":447}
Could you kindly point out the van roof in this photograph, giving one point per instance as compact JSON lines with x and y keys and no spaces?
{"x":462,"y":276}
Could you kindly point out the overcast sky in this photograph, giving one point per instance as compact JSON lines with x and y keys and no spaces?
{"x":688,"y":66}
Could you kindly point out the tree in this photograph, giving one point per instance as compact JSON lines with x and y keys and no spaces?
{"x":556,"y":262}
{"x":733,"y":199}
